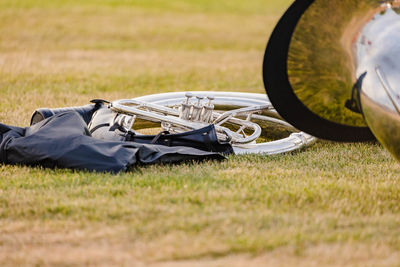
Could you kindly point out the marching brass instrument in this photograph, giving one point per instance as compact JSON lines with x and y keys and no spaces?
{"x":243,"y":119}
{"x":332,"y":69}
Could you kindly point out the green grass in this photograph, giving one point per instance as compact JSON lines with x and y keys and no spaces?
{"x":329,"y":205}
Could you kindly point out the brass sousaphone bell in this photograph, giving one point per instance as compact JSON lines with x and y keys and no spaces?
{"x":332,"y":69}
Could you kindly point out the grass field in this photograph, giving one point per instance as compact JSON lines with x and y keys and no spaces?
{"x":330,"y":205}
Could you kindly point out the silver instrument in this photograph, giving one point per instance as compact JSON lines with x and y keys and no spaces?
{"x":378,"y":65}
{"x":243,"y":119}
{"x":332,"y":69}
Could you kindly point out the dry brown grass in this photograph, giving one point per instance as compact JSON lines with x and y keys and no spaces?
{"x":107,"y":246}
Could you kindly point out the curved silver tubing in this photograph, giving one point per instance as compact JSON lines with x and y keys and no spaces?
{"x":222,"y":101}
{"x":225,"y":100}
{"x":164,"y":115}
{"x":293,"y":142}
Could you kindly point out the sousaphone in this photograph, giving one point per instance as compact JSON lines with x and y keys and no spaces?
{"x":332,"y":69}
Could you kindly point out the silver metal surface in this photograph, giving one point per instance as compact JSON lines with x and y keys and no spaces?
{"x":378,"y":56}
{"x":232,"y":108}
{"x":163,"y":114}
